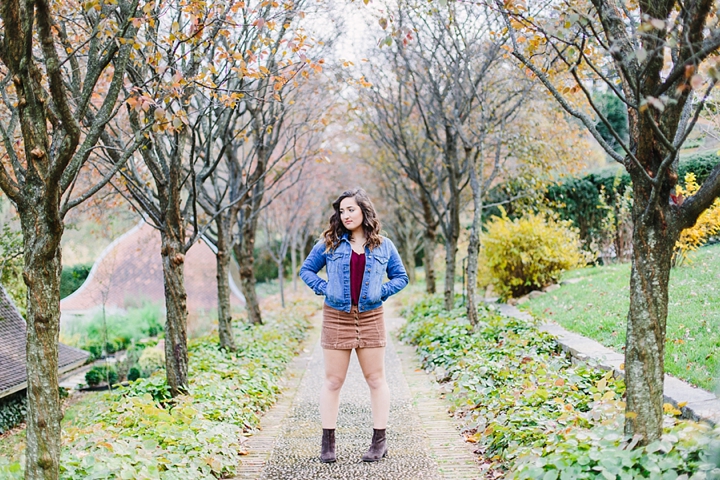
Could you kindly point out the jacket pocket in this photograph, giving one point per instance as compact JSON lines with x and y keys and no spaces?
{"x":377,"y":275}
{"x":335,"y":270}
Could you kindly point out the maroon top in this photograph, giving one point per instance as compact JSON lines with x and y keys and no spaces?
{"x":357,"y":267}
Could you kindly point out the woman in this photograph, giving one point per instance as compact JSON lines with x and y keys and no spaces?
{"x":356,"y":258}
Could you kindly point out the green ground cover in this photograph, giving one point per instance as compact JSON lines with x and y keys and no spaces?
{"x":139,"y":432}
{"x":534,"y":414}
{"x":597,"y":305}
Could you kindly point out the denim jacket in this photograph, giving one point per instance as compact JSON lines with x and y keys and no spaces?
{"x":379,"y":261}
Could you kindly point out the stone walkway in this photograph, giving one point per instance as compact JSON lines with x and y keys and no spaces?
{"x":423,"y":440}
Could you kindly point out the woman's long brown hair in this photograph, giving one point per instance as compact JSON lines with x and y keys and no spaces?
{"x":370,"y":224}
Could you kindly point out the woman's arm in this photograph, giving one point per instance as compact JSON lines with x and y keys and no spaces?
{"x":396,"y":273}
{"x":313,"y":264}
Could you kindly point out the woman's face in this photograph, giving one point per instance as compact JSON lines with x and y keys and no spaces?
{"x":350,"y":214}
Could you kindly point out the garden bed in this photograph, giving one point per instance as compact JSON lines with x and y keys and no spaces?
{"x":534,"y":413}
{"x":139,"y":432}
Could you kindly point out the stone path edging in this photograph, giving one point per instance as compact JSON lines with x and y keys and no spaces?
{"x":261,"y":444}
{"x":454,"y":456}
{"x":699,"y":404}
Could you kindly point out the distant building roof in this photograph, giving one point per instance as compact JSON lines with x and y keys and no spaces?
{"x":13,"y":337}
{"x":129,"y":271}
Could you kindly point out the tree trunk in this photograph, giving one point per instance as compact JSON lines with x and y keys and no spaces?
{"x":42,"y":277}
{"x":244,"y":254}
{"x":451,"y":227}
{"x":222,"y":258}
{"x":429,"y":246}
{"x":474,"y":248}
{"x":452,"y":233}
{"x":653,"y":242}
{"x":293,"y":266}
{"x":281,"y":283}
{"x":409,"y":254}
{"x":450,"y":255}
{"x":173,"y":260}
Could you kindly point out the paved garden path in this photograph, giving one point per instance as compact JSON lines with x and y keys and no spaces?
{"x":423,"y":440}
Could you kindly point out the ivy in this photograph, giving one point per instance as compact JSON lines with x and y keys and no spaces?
{"x":533,"y":412}
{"x":12,"y":411}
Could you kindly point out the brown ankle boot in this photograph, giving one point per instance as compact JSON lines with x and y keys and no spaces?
{"x":378,"y":447}
{"x":327,"y":450}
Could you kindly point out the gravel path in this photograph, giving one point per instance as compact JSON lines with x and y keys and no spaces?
{"x":423,"y":441}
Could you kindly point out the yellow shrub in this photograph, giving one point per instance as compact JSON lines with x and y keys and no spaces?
{"x":152,"y":359}
{"x":529,"y":253}
{"x":707,"y":225}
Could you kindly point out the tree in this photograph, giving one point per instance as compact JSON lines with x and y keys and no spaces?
{"x":228,"y":171}
{"x":448,"y":77}
{"x":408,"y":164}
{"x":63,"y":73}
{"x":274,"y":127}
{"x":176,"y":44}
{"x":452,"y":55}
{"x":657,"y":58}
{"x":293,"y":207}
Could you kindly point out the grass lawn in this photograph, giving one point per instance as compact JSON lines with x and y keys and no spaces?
{"x":597,"y":306}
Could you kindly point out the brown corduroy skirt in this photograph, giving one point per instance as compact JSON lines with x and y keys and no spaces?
{"x":345,"y":331}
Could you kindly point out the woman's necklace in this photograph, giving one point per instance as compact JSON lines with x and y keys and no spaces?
{"x":358,"y":245}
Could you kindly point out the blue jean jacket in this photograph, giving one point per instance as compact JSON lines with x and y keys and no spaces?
{"x":379,"y":261}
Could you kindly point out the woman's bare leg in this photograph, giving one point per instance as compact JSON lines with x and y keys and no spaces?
{"x":336,"y":366}
{"x":372,"y":362}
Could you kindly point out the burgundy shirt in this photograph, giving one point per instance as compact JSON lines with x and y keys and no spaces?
{"x":357,"y":267}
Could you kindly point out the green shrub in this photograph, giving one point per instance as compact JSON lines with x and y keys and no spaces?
{"x":528,"y":253}
{"x":12,"y":410}
{"x":151,"y":360}
{"x":686,"y":450}
{"x":133,"y":374}
{"x":615,"y":112}
{"x":509,"y":382}
{"x":581,"y":199}
{"x":94,"y":376}
{"x":121,"y":330}
{"x":72,"y":277}
{"x":130,"y":360}
{"x":265,"y":267}
{"x":99,"y":374}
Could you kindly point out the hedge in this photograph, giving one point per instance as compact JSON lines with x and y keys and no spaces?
{"x":578,"y":199}
{"x":12,"y":410}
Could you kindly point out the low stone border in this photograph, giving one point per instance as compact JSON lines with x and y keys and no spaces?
{"x":261,"y":444}
{"x":700,"y":405}
{"x":454,"y":456}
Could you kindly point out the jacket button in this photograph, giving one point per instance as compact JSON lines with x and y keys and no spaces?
{"x":367,"y":283}
{"x":364,"y":296}
{"x":368,"y":269}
